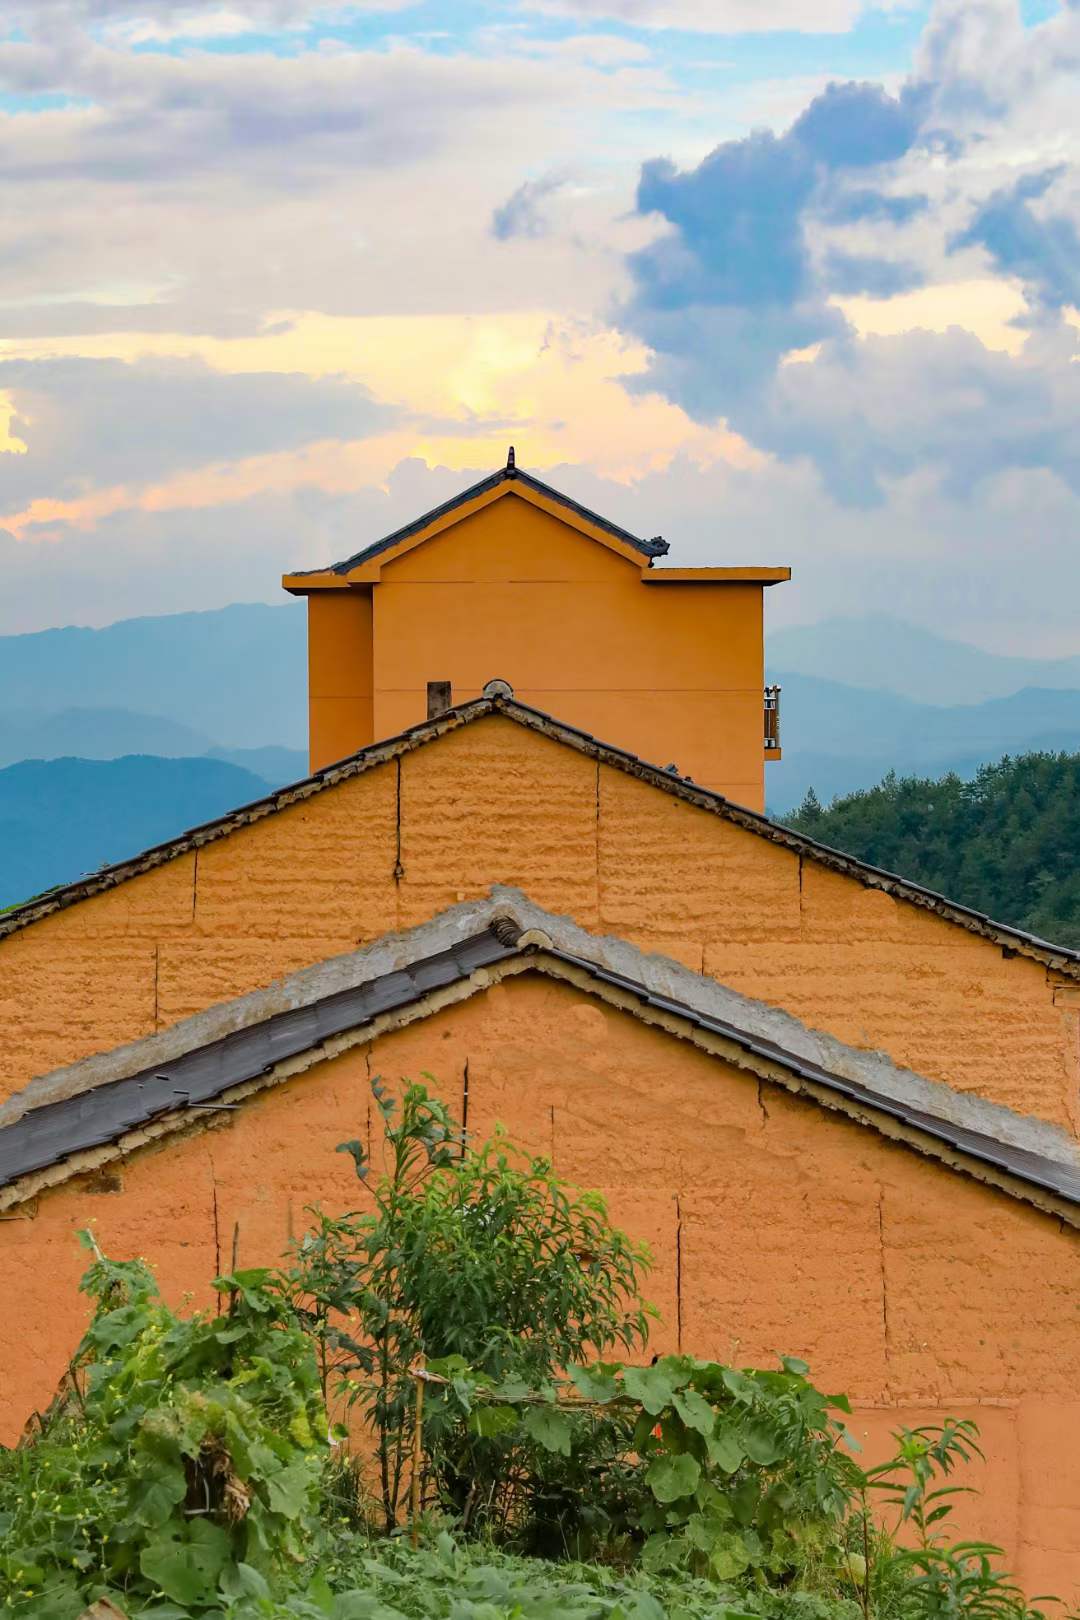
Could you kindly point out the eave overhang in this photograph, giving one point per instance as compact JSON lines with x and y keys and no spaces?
{"x":56,"y":1140}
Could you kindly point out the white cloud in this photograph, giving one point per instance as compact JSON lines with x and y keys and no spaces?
{"x":162,"y":21}
{"x":713,"y":16}
{"x":975,"y":567}
{"x":88,"y":424}
{"x":349,"y":182}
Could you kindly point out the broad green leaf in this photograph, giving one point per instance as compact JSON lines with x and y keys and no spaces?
{"x":695,"y":1411}
{"x":550,"y":1428}
{"x":738,"y":1384}
{"x":287,"y":1490}
{"x":512,"y":1389}
{"x":763,"y":1445}
{"x":725,"y":1449}
{"x":241,"y":1580}
{"x":594,"y":1383}
{"x":635,"y":1606}
{"x":670,"y":1478}
{"x":744,"y":1501}
{"x":728,"y":1556}
{"x":186,"y":1571}
{"x":643,"y":1430}
{"x":363,"y":1606}
{"x":448,"y":1366}
{"x":157,"y":1498}
{"x":489,"y":1421}
{"x":654,"y":1386}
{"x":792,"y":1364}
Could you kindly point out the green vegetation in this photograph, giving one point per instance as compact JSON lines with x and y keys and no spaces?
{"x":1006,"y":843}
{"x":188,"y":1468}
{"x":482,"y":1255}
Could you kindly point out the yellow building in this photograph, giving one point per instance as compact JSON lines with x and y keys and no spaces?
{"x":512,"y":579}
{"x":843,"y":1110}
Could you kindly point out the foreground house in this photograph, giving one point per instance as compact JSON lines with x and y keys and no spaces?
{"x":842,"y":1110}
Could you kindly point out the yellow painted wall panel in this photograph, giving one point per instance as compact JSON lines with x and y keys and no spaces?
{"x":776,"y":1226}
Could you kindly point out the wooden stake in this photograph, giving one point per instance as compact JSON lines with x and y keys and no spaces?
{"x":417,"y":1455}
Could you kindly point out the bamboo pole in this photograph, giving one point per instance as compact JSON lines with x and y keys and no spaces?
{"x":419,"y":1378}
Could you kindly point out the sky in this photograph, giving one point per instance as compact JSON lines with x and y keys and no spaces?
{"x":786,"y":281}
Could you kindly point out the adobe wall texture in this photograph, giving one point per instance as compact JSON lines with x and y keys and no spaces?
{"x":493,"y":802}
{"x":775,"y":1225}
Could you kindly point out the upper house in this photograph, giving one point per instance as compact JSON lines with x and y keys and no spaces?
{"x":514,"y":580}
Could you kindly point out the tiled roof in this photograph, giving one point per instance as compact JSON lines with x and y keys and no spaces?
{"x":508,"y":474}
{"x":206,"y":1077}
{"x":1011,"y":939}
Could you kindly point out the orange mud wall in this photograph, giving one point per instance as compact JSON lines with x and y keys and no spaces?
{"x":775,"y":1226}
{"x":493,"y":802}
{"x":671,"y":672}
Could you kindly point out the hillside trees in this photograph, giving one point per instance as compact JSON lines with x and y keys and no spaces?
{"x":1007,"y":843}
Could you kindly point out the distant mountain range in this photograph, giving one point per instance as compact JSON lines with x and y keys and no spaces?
{"x":152,"y":725}
{"x":888,"y":655}
{"x":839,"y":738}
{"x":62,"y":818}
{"x":237,"y":675}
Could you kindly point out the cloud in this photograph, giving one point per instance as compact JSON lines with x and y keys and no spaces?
{"x":713,"y":16}
{"x":973,"y":566}
{"x":849,"y":274}
{"x":857,"y":206}
{"x":212,"y":189}
{"x":734,"y":286}
{"x":162,"y":20}
{"x":177,"y":560}
{"x":522,"y":213}
{"x":93,"y":423}
{"x":1042,"y":250}
{"x":869,"y":194}
{"x":858,"y":126}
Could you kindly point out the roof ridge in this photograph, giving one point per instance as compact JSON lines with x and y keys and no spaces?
{"x":251,"y":1058}
{"x":1064,"y":958}
{"x":511,"y":473}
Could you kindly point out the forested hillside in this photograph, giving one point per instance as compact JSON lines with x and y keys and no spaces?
{"x":1006,"y":843}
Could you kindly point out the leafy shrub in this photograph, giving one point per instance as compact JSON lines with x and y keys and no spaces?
{"x":453,"y":1580}
{"x":181,"y":1460}
{"x":482,"y":1253}
{"x":184,"y":1470}
{"x":697,"y":1466}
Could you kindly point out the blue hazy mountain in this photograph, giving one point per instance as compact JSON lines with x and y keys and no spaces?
{"x":277,"y":766}
{"x":861,"y":697}
{"x":95,"y":734}
{"x":889,"y":655}
{"x":237,"y":675}
{"x":61,"y":818}
{"x":840,"y":738}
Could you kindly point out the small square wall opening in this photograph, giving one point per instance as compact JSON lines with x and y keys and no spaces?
{"x":438,"y":697}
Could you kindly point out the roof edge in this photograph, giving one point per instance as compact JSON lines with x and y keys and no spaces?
{"x":300,"y":580}
{"x":53,"y":1140}
{"x":1011,"y":939}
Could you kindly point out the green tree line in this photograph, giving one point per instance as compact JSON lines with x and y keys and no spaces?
{"x":1006,"y":843}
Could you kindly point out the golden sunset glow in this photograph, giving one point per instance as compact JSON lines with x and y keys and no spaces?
{"x":984,"y":308}
{"x":516,"y":372}
{"x":10,"y":443}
